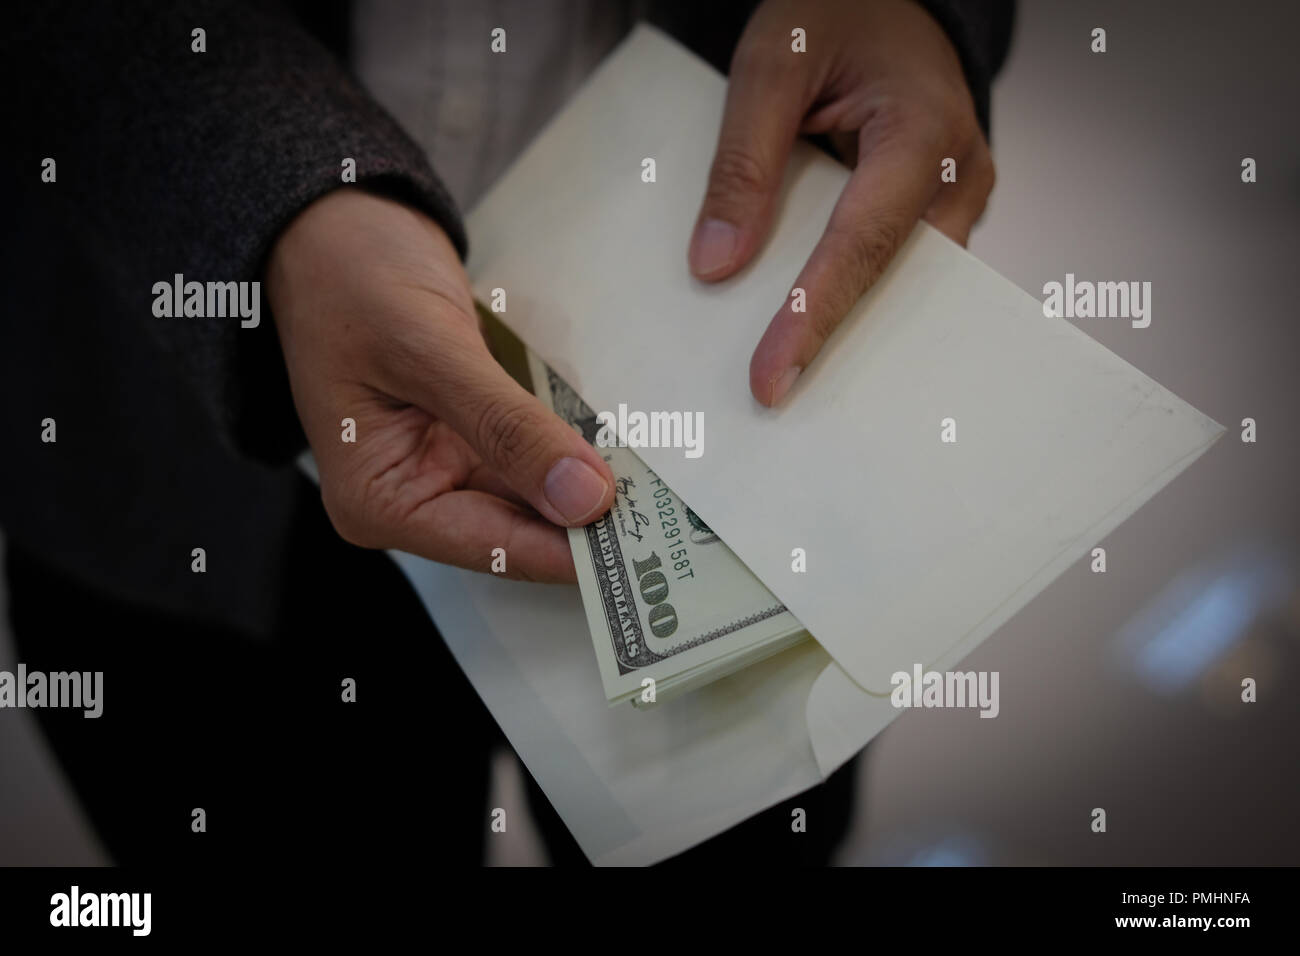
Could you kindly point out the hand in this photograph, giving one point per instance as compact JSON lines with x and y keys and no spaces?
{"x":452,"y":457}
{"x":882,"y":79}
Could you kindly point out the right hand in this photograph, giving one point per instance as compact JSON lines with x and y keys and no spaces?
{"x":452,"y":458}
{"x":886,"y":85}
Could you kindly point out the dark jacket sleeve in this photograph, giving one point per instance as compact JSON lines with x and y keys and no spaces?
{"x":981,"y":32}
{"x":175,"y":161}
{"x":979,"y":29}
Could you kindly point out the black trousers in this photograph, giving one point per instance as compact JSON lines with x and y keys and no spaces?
{"x":256,"y":734}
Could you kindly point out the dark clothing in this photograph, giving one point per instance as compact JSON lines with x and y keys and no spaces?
{"x":256,"y":733}
{"x":176,"y":434}
{"x":172,"y":433}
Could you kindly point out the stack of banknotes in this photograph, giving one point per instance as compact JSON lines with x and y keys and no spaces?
{"x":670,"y":607}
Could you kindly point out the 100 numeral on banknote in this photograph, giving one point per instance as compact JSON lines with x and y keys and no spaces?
{"x":664,"y":597}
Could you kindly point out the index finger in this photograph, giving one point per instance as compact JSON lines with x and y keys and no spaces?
{"x":886,"y":195}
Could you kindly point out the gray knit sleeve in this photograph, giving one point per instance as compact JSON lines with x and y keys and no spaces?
{"x":175,"y":161}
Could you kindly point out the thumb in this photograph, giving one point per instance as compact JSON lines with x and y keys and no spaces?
{"x":762,"y":116}
{"x":538,"y":455}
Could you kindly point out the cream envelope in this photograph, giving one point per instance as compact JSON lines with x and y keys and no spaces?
{"x":916,"y":549}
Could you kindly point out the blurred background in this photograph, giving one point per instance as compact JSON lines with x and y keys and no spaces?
{"x":1119,"y":690}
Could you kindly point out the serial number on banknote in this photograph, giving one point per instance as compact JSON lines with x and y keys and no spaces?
{"x":665,"y":509}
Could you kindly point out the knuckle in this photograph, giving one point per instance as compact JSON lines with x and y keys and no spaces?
{"x":736,"y":173}
{"x":812,"y":328}
{"x":889,"y":117}
{"x":867,"y":250}
{"x":901,"y":128}
{"x":506,"y":432}
{"x":934,"y":137}
{"x":822,"y":322}
{"x":859,"y":256}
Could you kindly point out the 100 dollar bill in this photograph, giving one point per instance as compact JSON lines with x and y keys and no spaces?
{"x":665,"y":598}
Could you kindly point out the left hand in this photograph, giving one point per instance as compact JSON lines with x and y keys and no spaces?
{"x":883,"y":80}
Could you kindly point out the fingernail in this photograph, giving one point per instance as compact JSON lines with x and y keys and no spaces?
{"x":781,"y":384}
{"x":712,"y":247}
{"x":574,"y":489}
